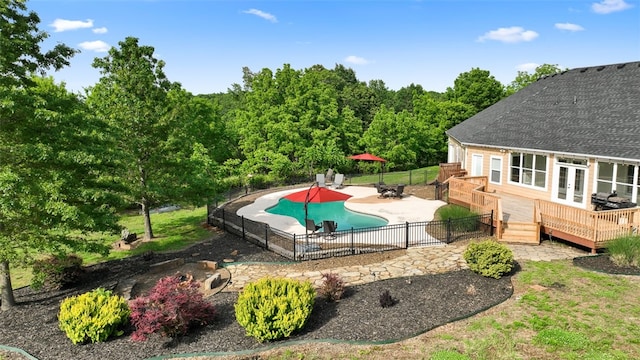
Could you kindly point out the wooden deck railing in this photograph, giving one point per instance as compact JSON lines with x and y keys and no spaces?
{"x":468,"y":191}
{"x":448,"y":170}
{"x":585,"y":227}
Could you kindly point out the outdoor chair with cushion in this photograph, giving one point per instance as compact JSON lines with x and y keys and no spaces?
{"x":399,"y":191}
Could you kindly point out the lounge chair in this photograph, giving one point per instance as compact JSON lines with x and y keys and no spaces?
{"x":320,"y":180}
{"x":329,"y":227}
{"x":312,"y":226}
{"x":338,"y":181}
{"x":329,"y":176}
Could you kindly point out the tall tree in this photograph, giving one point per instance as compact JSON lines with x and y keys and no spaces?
{"x":50,"y":182}
{"x":524,"y":78}
{"x":477,"y":88}
{"x":132,"y":96}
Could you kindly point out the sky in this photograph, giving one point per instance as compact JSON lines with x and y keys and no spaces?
{"x":206,"y":43}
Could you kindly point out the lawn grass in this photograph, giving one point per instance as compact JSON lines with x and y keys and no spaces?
{"x":558,"y":311}
{"x":417,"y":176}
{"x":173,"y":230}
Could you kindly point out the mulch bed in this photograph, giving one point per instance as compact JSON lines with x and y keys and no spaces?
{"x":602,"y":263}
{"x":423,"y":302}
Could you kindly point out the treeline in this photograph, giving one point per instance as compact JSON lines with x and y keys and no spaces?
{"x":295,"y":122}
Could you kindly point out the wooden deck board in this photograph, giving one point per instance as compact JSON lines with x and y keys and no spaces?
{"x":516,"y":208}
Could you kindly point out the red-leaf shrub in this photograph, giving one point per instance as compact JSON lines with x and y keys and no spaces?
{"x":171,"y":307}
{"x":332,"y":287}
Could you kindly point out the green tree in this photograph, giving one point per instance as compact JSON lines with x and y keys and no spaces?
{"x":524,"y":78}
{"x":51,"y":183}
{"x":435,"y":118}
{"x":53,"y":177}
{"x":477,"y":88}
{"x":153,"y":124}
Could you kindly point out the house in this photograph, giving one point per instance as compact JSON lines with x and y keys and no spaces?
{"x":560,"y":138}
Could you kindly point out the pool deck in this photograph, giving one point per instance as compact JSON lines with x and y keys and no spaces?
{"x":364,"y":200}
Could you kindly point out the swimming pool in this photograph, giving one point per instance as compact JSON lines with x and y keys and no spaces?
{"x":319,"y":212}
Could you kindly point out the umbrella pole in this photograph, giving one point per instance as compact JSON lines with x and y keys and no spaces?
{"x":306,"y":214}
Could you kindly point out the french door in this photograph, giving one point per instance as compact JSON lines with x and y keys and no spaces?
{"x":570,"y":185}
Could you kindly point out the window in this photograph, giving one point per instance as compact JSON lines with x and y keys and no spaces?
{"x":476,"y":165}
{"x":529,"y":169}
{"x":495,"y":175}
{"x":622,"y":178}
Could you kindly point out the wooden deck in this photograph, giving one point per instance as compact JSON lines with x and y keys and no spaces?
{"x":522,"y":220}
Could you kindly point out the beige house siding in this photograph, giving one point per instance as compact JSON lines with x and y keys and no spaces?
{"x":504,"y":185}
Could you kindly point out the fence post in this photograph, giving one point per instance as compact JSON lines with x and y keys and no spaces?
{"x":448,"y":230}
{"x":294,"y":247}
{"x":353,"y":249}
{"x":410,"y":182}
{"x":266,"y":236}
{"x":491,"y":224}
{"x":406,"y":235}
{"x":243,"y":236}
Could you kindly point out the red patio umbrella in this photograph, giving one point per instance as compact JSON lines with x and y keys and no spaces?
{"x":317,"y":195}
{"x":367,"y":156}
{"x":371,"y":157}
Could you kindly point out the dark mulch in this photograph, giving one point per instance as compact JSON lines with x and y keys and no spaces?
{"x":423,"y":302}
{"x":603,"y":263}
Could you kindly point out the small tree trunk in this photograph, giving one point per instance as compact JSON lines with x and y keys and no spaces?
{"x":148,"y":231}
{"x":6,"y":296}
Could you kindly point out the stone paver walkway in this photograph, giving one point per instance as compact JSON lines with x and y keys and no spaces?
{"x":416,"y":261}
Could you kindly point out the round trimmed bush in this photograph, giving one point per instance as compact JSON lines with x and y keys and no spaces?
{"x":271,"y":309}
{"x":93,"y":316}
{"x":489,"y":258}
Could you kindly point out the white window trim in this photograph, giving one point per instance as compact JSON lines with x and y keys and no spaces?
{"x":532,"y":186}
{"x":491,"y":169}
{"x":481,"y":158}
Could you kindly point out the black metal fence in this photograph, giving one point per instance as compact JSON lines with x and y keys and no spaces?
{"x":311,"y":246}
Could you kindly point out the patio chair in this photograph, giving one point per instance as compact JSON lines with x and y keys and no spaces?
{"x":329,"y":227}
{"x":338,"y":181}
{"x":320,"y":180}
{"x":399,"y":191}
{"x":329,"y":176}
{"x":381,"y":187}
{"x":312,"y":226}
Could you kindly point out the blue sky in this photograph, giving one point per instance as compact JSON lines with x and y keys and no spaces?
{"x":205,"y":43}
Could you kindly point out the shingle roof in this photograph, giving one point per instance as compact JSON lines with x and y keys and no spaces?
{"x":588,"y":111}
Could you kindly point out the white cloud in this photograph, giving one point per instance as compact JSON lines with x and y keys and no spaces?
{"x":528,"y":67}
{"x":60,"y":25}
{"x":569,"y":27}
{"x":514,"y":34}
{"x":97,"y":46}
{"x":100,"y":30}
{"x":352,"y":59}
{"x":609,"y":6}
{"x":261,"y":14}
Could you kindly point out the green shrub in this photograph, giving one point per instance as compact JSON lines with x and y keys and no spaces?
{"x":453,"y":212}
{"x":271,"y":309}
{"x":93,"y":316}
{"x":56,"y":272}
{"x":332,"y":287}
{"x":460,"y":218}
{"x":489,"y":258}
{"x":625,"y":251}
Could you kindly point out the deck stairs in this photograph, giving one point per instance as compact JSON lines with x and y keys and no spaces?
{"x":520,"y":232}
